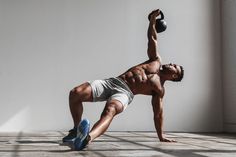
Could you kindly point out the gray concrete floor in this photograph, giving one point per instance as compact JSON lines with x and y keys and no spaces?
{"x":130,"y":144}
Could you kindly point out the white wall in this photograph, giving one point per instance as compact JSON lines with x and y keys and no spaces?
{"x":48,"y":47}
{"x":229,"y":57}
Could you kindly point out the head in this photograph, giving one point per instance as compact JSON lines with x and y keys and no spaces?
{"x":172,"y":72}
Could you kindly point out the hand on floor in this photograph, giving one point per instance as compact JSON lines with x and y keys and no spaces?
{"x":167,"y":140}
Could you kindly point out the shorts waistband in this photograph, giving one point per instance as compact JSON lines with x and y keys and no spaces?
{"x":123,"y":82}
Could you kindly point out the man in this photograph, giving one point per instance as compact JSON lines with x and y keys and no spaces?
{"x":147,"y":78}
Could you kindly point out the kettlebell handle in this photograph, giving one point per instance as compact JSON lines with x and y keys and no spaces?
{"x":162,"y":15}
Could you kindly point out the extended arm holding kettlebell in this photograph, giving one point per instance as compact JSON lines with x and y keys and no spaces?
{"x":155,"y":26}
{"x":152,"y":51}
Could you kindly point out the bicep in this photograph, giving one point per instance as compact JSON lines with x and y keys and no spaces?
{"x":152,"y":50}
{"x":157,"y":105}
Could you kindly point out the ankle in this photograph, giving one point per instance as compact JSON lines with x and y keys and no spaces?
{"x":89,"y":139}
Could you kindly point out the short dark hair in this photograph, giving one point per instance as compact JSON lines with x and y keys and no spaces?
{"x":181,"y":75}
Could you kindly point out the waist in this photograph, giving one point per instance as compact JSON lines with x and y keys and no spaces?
{"x":123,"y":83}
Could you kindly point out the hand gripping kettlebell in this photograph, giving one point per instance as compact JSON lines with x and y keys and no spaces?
{"x":161,"y":24}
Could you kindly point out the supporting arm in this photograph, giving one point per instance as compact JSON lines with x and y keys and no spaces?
{"x":158,"y":117}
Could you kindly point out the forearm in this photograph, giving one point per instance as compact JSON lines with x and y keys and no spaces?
{"x":152,"y":33}
{"x":158,"y":120}
{"x":152,"y":39}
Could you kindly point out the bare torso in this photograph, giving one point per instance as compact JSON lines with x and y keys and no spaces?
{"x":144,"y":78}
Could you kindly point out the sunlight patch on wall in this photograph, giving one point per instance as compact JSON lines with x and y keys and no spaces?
{"x":18,"y":122}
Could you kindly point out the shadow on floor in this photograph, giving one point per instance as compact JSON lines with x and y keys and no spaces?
{"x":136,"y":143}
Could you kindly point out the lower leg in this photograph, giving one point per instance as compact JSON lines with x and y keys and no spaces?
{"x":100,"y":127}
{"x":76,"y":110}
{"x":76,"y":107}
{"x":111,"y":109}
{"x":82,"y":93}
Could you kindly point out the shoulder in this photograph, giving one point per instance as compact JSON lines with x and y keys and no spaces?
{"x":157,"y":88}
{"x":154,"y":64}
{"x":157,"y":92}
{"x":156,"y":59}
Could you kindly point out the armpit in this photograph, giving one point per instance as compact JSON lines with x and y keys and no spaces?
{"x":157,"y":58}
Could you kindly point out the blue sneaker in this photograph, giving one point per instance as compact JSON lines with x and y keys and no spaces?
{"x":82,"y":135}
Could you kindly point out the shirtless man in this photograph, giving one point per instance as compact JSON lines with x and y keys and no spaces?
{"x":147,"y":78}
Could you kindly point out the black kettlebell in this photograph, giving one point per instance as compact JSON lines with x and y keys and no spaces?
{"x":161,"y":24}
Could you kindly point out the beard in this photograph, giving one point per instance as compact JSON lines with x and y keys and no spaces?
{"x":166,"y":68}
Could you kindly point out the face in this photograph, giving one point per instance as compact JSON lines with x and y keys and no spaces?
{"x":171,"y":70}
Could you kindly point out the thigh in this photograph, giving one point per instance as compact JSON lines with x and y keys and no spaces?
{"x":114,"y":105}
{"x":101,"y":90}
{"x":82,"y":92}
{"x":122,"y":98}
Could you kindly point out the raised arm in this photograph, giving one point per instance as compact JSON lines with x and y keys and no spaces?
{"x":158,"y":117}
{"x":152,"y":51}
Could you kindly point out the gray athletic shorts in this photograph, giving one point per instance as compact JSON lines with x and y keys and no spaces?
{"x":110,"y":89}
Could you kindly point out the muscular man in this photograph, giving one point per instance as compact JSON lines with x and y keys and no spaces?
{"x":147,"y":78}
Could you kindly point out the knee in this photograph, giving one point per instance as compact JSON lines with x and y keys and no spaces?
{"x":109,"y":111}
{"x":75,"y":94}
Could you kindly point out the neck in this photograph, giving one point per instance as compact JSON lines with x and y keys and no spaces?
{"x":162,"y":81}
{"x":162,"y":77}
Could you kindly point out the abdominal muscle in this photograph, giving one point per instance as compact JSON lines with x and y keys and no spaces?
{"x":138,"y":81}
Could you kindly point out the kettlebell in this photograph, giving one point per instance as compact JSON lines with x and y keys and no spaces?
{"x":161,"y":24}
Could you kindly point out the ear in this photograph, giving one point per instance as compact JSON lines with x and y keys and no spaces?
{"x":174,"y":76}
